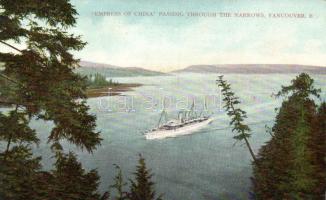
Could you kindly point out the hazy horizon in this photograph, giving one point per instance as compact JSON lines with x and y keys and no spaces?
{"x":102,"y":63}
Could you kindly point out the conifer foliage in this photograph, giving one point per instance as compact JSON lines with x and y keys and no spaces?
{"x":18,"y":174}
{"x":142,"y":188}
{"x":71,"y":181}
{"x":292,"y":165}
{"x":236,"y":114}
{"x":38,"y":82}
{"x":119,"y":185}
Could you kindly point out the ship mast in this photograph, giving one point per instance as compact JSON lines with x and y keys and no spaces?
{"x":191,"y":111}
{"x":205,"y":108}
{"x":163,"y":114}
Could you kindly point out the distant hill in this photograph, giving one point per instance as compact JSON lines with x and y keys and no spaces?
{"x":87,"y":68}
{"x":253,"y":69}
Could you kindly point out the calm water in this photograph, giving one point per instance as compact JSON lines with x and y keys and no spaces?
{"x":205,"y":165}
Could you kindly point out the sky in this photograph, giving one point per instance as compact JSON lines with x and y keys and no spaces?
{"x":165,"y":43}
{"x":169,"y":43}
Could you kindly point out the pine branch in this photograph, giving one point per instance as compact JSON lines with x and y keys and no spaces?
{"x":39,"y":60}
{"x":15,"y":103}
{"x":236,"y":114}
{"x":10,"y":79}
{"x":9,"y":45}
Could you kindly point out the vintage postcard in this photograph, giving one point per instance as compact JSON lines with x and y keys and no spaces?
{"x":162,"y":100}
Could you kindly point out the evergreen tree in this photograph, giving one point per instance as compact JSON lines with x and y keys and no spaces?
{"x":118,"y":185}
{"x":291,"y":165}
{"x":18,"y":168}
{"x":38,"y":81}
{"x":142,"y":188}
{"x":46,"y":86}
{"x":71,"y":182}
{"x":14,"y":128}
{"x":18,"y":173}
{"x":99,"y":81}
{"x":236,"y":114}
{"x":318,"y":147}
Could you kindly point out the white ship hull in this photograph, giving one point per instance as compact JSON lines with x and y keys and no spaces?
{"x":185,"y":130}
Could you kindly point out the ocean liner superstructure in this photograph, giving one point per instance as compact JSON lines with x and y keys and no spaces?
{"x":187,"y":123}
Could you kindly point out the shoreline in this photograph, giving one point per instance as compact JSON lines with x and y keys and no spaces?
{"x":113,"y":90}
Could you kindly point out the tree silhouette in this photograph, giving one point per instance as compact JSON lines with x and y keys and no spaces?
{"x":291,"y":165}
{"x":118,"y":185}
{"x":142,"y":188}
{"x":38,"y":82}
{"x":236,"y":114}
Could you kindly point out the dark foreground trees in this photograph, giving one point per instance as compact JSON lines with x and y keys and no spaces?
{"x":141,"y":188}
{"x":292,"y":164}
{"x":38,"y":82}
